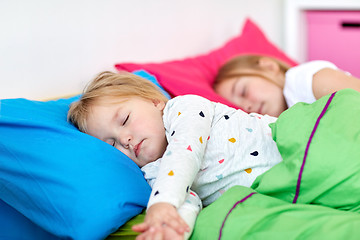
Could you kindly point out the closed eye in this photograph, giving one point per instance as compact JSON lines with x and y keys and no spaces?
{"x":233,"y":88}
{"x":243,"y":92}
{"x":238,"y":89}
{"x":111,"y":141}
{"x":126,"y":119}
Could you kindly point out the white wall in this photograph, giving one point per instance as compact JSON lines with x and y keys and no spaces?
{"x":51,"y":48}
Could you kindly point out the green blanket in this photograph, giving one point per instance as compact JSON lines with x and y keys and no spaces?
{"x":264,"y":217}
{"x":313,"y":194}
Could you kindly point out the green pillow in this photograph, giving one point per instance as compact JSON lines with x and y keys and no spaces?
{"x":331,"y":170}
{"x":125,"y":232}
{"x":264,"y":217}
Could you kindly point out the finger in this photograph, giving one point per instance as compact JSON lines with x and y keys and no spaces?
{"x":149,"y":234}
{"x":153,"y":233}
{"x":158,"y":235}
{"x":177,"y":219}
{"x":184,"y":225}
{"x":178,"y":225}
{"x":142,"y":227}
{"x":141,"y":236}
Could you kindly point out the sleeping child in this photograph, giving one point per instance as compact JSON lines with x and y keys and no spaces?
{"x":189,"y":148}
{"x":266,"y":85}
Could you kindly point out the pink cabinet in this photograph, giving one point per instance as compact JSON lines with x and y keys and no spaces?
{"x":335,"y":36}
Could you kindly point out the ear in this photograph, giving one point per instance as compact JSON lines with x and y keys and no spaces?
{"x":159,"y":104}
{"x":269,"y":64}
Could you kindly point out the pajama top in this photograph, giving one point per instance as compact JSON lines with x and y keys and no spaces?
{"x":211,"y":147}
{"x":298,"y":81}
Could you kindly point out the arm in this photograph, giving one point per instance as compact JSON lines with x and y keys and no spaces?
{"x":188,"y":211}
{"x":329,"y":80}
{"x":188,"y":123}
{"x":159,"y":211}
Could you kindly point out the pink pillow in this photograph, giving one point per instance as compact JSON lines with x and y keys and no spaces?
{"x":195,"y":75}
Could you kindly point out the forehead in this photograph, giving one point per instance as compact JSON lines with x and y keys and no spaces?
{"x":106,"y":108}
{"x":104,"y":105}
{"x":107,"y":104}
{"x":101,"y":115}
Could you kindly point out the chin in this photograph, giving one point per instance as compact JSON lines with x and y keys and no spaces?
{"x":152,"y":159}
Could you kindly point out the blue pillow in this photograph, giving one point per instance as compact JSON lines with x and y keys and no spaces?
{"x":14,"y":226}
{"x":151,"y":78}
{"x":70,"y":184}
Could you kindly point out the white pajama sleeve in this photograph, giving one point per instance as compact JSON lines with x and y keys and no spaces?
{"x":191,"y":206}
{"x":189,"y":211}
{"x":187,"y":120}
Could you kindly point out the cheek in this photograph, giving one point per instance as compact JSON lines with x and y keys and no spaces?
{"x":126,"y":152}
{"x":267,"y":89}
{"x":277,"y":92}
{"x":152,"y":126}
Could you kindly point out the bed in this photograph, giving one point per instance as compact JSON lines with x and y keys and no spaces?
{"x":58,"y":183}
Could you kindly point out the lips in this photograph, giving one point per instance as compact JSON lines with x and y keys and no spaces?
{"x":137,"y":148}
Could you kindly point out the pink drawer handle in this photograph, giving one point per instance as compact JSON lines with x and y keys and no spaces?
{"x":350,"y":24}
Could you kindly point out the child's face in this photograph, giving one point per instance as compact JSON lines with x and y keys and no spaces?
{"x":133,"y":126}
{"x":253,"y":94}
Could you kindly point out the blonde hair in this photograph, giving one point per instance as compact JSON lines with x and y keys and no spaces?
{"x":108,"y":85}
{"x":240,"y":66}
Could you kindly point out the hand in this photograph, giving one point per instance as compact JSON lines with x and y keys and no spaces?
{"x":164,"y":233}
{"x":161,"y":214}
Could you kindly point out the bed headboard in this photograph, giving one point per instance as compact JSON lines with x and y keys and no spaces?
{"x":53,"y":48}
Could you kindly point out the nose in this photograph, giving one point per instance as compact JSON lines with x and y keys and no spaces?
{"x":125,"y":140}
{"x":247,"y":106}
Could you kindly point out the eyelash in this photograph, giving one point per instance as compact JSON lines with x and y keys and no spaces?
{"x":126,"y":119}
{"x":243,"y":92}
